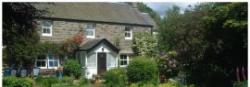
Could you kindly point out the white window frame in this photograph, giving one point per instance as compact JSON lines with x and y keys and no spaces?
{"x":47,"y":60}
{"x":91,"y":29}
{"x":120,"y":59}
{"x":53,"y":60}
{"x":130,"y":31}
{"x":48,"y":27}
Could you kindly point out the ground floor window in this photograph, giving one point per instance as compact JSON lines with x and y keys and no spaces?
{"x":53,"y":61}
{"x":124,"y":60}
{"x":41,"y":61}
{"x":48,"y":61}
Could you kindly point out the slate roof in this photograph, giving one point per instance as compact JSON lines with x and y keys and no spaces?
{"x":95,"y":42}
{"x":101,"y":12}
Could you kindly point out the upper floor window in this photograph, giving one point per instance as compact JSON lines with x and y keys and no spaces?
{"x":47,"y":28}
{"x":128,"y":33}
{"x":90,"y":30}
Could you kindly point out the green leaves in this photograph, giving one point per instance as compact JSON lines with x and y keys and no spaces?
{"x":115,"y":77}
{"x":19,"y":33}
{"x":144,"y":44}
{"x":142,"y":69}
{"x":72,"y":67}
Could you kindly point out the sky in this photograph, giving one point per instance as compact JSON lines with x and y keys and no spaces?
{"x":162,"y":7}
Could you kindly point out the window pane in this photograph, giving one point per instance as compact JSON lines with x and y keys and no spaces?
{"x":55,"y":63}
{"x":123,"y":60}
{"x":89,"y":32}
{"x":40,"y":64}
{"x":48,"y":30}
{"x":123,"y":56}
{"x":127,"y":34}
{"x":44,"y":30}
{"x":51,"y":63}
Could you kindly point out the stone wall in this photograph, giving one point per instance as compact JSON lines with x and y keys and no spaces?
{"x":63,"y":30}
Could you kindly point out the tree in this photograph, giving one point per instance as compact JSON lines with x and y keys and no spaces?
{"x":19,"y":31}
{"x":226,"y":25}
{"x":210,"y":41}
{"x":182,"y":34}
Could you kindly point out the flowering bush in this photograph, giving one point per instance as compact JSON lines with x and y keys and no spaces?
{"x":72,"y":43}
{"x":144,"y":44}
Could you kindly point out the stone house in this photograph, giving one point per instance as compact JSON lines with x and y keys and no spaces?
{"x":108,"y":28}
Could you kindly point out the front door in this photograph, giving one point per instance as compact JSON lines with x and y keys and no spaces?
{"x":101,"y":63}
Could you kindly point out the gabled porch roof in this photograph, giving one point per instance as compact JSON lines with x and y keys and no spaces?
{"x":91,"y":44}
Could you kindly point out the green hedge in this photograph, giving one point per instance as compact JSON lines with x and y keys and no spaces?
{"x":142,"y":69}
{"x":17,"y":82}
{"x":115,"y":78}
{"x":72,"y":67}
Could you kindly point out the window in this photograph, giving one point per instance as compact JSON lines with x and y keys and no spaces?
{"x":128,"y":33}
{"x":53,"y":62}
{"x":46,"y":28}
{"x":111,"y":61}
{"x":41,"y":62}
{"x":91,"y":60}
{"x":47,"y":62}
{"x":124,"y":60}
{"x":90,"y":30}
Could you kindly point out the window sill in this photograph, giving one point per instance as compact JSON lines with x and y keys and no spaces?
{"x":128,"y":38}
{"x":123,"y":65}
{"x":48,"y":35}
{"x":90,"y":37}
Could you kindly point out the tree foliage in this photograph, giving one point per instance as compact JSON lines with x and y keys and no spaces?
{"x":210,"y":40}
{"x":19,"y":30}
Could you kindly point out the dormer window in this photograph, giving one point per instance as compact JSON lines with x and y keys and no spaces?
{"x":128,"y":33}
{"x":47,"y":28}
{"x":90,"y":30}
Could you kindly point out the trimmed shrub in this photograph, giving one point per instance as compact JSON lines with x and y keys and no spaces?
{"x":46,"y":81}
{"x":142,"y":69}
{"x":17,"y":82}
{"x":115,"y":78}
{"x":72,"y":67}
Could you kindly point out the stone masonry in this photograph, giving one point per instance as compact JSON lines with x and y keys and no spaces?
{"x":63,"y":30}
